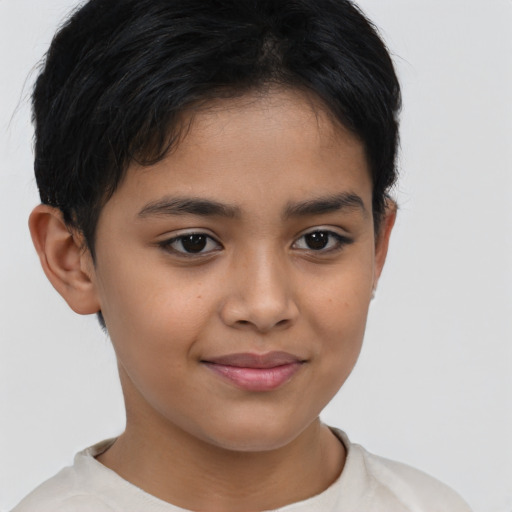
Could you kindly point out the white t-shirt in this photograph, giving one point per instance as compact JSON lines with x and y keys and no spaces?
{"x":367,"y":484}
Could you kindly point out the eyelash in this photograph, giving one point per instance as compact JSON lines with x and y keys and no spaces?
{"x":340,"y":242}
{"x":168,"y":244}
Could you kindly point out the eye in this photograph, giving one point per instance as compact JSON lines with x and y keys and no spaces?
{"x":321,"y":240}
{"x":191,"y":243}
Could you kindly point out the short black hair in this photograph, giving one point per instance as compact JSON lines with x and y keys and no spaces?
{"x":119,"y":75}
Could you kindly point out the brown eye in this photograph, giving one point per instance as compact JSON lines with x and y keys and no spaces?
{"x":194,"y":243}
{"x":321,"y":240}
{"x":317,"y":240}
{"x":191,"y":243}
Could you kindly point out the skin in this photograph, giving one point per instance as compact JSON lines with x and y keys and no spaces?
{"x":257,"y":286}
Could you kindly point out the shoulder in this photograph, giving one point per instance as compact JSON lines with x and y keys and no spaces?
{"x":70,"y":490}
{"x":61,"y":494}
{"x":395,"y":482}
{"x":411,"y":485}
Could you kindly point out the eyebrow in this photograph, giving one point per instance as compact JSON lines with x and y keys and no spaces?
{"x":328,"y":204}
{"x":188,"y":206}
{"x":209,"y":208}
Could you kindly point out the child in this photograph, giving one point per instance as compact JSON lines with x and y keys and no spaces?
{"x":214,"y":179}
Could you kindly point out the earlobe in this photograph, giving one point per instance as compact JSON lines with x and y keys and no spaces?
{"x":67,"y":265}
{"x":382,"y":238}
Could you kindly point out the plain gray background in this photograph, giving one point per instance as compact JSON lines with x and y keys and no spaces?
{"x":433,"y":386}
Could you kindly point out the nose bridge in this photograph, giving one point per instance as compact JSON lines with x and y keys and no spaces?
{"x":266,"y":277}
{"x":261,"y":294}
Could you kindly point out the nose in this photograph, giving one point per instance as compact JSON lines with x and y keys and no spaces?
{"x":259,"y":294}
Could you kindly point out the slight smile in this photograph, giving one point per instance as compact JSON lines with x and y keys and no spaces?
{"x":256,"y":372}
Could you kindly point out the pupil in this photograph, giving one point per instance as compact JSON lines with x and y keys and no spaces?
{"x":194,"y":243}
{"x":317,"y":240}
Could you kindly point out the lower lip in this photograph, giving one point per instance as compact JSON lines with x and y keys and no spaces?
{"x":257,"y":379}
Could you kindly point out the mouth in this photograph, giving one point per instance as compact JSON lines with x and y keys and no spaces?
{"x":256,"y":372}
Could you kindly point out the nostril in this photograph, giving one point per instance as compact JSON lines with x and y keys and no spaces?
{"x":281,"y":323}
{"x":260,"y":313}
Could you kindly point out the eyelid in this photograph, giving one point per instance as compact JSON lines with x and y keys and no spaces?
{"x":166,"y":244}
{"x":189,"y":231}
{"x":342,"y":239}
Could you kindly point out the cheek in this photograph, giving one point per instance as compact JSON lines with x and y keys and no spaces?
{"x":337,"y":328}
{"x":151,"y":314}
{"x":341,"y":298}
{"x":154,"y":325}
{"x":339,"y":310}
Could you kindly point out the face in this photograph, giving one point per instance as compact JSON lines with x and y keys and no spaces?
{"x":235,"y":275}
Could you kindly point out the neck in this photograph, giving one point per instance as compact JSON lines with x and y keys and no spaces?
{"x":174,"y":466}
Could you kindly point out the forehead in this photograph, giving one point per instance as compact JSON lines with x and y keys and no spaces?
{"x":291,"y":115}
{"x":280,"y":145}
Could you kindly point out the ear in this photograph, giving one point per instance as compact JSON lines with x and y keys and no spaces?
{"x":65,"y":261}
{"x":382,"y":239}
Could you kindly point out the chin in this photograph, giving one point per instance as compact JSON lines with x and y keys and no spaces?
{"x":255,"y":436}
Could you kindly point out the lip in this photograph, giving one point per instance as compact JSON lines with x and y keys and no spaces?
{"x":256,"y":372}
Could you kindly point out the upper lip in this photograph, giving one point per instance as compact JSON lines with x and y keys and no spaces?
{"x":251,"y":360}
